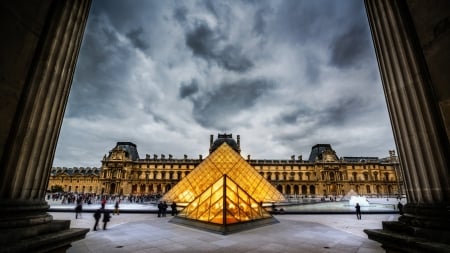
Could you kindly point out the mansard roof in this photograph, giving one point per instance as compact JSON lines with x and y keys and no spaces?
{"x":88,"y":171}
{"x":130,"y":150}
{"x":317,"y":151}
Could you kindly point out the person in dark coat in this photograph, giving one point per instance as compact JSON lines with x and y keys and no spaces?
{"x":164,"y":209}
{"x":160,"y":209}
{"x":78,"y":208}
{"x":174,"y":208}
{"x":358,"y":211}
{"x":97,"y":215}
{"x":106,"y":218}
{"x":116,"y":207}
{"x":400,"y":207}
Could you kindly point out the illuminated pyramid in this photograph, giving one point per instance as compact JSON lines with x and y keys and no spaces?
{"x":223,"y":161}
{"x":223,"y":194}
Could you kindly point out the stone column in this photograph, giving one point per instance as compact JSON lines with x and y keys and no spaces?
{"x":40,"y":45}
{"x":411,"y":41}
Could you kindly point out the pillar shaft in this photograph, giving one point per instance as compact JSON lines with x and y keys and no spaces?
{"x":418,"y":100}
{"x":415,"y":118}
{"x":40,"y":50}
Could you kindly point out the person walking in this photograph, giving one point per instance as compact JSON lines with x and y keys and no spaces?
{"x":103,"y":202}
{"x":97,"y":215}
{"x":400,"y":207}
{"x":116,"y":207}
{"x":174,"y":208}
{"x":164,"y":209}
{"x":160,"y":209}
{"x":358,"y":211}
{"x":78,"y":208}
{"x":106,"y":218}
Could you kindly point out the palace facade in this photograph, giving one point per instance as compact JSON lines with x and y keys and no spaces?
{"x":323,"y":174}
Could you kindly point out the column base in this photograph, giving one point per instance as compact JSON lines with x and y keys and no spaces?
{"x":420,"y":229}
{"x":28,"y":228}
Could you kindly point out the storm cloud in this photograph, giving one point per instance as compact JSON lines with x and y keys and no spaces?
{"x":284,"y":75}
{"x":206,"y":43}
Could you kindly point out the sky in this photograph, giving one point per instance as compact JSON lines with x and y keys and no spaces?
{"x":284,"y":75}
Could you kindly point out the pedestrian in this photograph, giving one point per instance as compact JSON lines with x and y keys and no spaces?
{"x":97,"y":215}
{"x":358,"y":211}
{"x":164,"y":209}
{"x":400,"y":207}
{"x":103,"y":202}
{"x":78,"y":208}
{"x":106,"y":218}
{"x":116,"y":207}
{"x":160,"y":209}
{"x":174,"y":208}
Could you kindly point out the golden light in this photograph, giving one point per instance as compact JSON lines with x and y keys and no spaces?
{"x":224,"y":189}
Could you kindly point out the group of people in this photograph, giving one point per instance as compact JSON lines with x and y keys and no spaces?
{"x":98,"y":215}
{"x":162,"y":209}
{"x":106,"y":214}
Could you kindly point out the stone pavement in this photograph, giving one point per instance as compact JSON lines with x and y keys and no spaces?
{"x":131,"y":232}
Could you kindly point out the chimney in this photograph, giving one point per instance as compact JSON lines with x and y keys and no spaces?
{"x":239,"y":142}
{"x":211,"y":138}
{"x":200,"y":157}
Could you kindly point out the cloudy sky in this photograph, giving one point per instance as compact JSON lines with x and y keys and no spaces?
{"x":284,"y":75}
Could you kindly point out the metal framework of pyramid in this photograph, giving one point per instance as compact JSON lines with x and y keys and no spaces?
{"x":223,"y":194}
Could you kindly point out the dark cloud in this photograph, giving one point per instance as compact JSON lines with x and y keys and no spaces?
{"x":186,"y":90}
{"x":303,"y":21}
{"x":344,"y":111}
{"x":350,"y":49}
{"x":216,"y":109}
{"x":99,"y":73}
{"x":135,"y":37}
{"x":206,"y":43}
{"x":259,"y":22}
{"x":180,"y":14}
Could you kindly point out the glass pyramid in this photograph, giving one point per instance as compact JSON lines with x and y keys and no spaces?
{"x":224,"y":202}
{"x":223,"y":161}
{"x":223,"y":194}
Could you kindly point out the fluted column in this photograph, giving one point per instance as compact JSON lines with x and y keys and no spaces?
{"x":414,"y":116}
{"x":417,"y":122}
{"x":43,"y":51}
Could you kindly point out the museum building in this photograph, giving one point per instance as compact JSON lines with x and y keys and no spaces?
{"x":323,"y":174}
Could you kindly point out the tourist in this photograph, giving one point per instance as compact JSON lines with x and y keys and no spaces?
{"x":400,"y":207}
{"x":358,"y":211}
{"x":164,"y":209}
{"x":106,"y":218}
{"x":78,"y":208}
{"x":103,"y":202}
{"x":160,"y":209}
{"x":97,"y":215}
{"x":174,"y":208}
{"x":116,"y":207}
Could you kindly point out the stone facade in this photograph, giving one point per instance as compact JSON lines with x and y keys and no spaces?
{"x":322,"y":175}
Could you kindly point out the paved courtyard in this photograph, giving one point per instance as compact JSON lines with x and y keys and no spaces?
{"x":145,"y":232}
